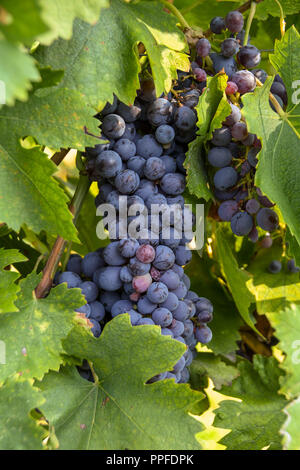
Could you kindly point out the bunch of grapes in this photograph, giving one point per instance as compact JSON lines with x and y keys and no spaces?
{"x":232,"y":152}
{"x":143,"y":276}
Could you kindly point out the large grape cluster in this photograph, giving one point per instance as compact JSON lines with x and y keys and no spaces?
{"x":143,"y":275}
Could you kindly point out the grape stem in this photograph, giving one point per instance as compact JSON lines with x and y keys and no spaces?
{"x":249,"y":22}
{"x":176,"y":12}
{"x":95,"y":376}
{"x":273,"y":100}
{"x":58,"y":248}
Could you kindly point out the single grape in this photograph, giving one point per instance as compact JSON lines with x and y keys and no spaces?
{"x":109,"y":278}
{"x":157,"y":293}
{"x":108,"y":299}
{"x":231,"y":88}
{"x":234,"y":21}
{"x":165,"y":134}
{"x":145,"y":189}
{"x":249,"y":56}
{"x":225,"y":178}
{"x":136,"y":164}
{"x":169,"y":162}
{"x":183,"y":256}
{"x":125,"y":274}
{"x":112,"y":255}
{"x":72,"y":279}
{"x":137,"y":268}
{"x":205,"y":316}
{"x":159,"y":112}
{"x":164,"y":258}
{"x":173,"y":184}
{"x":142,"y":283}
{"x":181,"y":313}
{"x":85,"y":309}
{"x":267,"y":219}
{"x":125,"y":148}
{"x":179,"y":366}
{"x":254,"y":235}
{"x":127,"y":181}
{"x":121,"y":306}
{"x":177,"y":327}
{"x":113,"y":126}
{"x":148,"y":146}
{"x":145,"y":307}
{"x":234,"y":117}
{"x":74,"y":264}
{"x":227,"y":210}
{"x":227,"y":63}
{"x":252,"y":206}
{"x":97,"y":311}
{"x":266,"y":242}
{"x":185,"y":119}
{"x":217,"y":25}
{"x":128,"y":247}
{"x":203,"y":334}
{"x":108,"y":163}
{"x":154,"y":169}
{"x":221,"y":137}
{"x":180,"y":291}
{"x":260,"y":74}
{"x":145,"y":321}
{"x":171,"y":303}
{"x":275,"y":267}
{"x":229,"y":47}
{"x":171,"y":279}
{"x":162,"y":317}
{"x":89,"y":290}
{"x":244,"y":80}
{"x":239,"y":131}
{"x":241,"y":224}
{"x":200,"y":75}
{"x":291,"y":265}
{"x":203,"y":47}
{"x":219,"y":157}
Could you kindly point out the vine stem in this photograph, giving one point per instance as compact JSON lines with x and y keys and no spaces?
{"x":58,"y":248}
{"x":249,"y":22}
{"x":273,"y":100}
{"x":95,"y":376}
{"x":176,"y":12}
{"x":282,"y":20}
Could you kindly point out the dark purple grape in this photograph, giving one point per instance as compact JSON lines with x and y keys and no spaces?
{"x":113,"y":126}
{"x":203,"y":334}
{"x":159,"y":112}
{"x":225,"y":178}
{"x":125,"y":148}
{"x":183,"y":256}
{"x":217,"y":25}
{"x":127,"y":181}
{"x":219,"y":157}
{"x":203,"y":47}
{"x":275,"y":267}
{"x":253,"y":235}
{"x":235,"y":115}
{"x":165,"y":134}
{"x":221,"y":137}
{"x":185,"y":119}
{"x":241,"y":224}
{"x":227,"y":63}
{"x":148,"y":146}
{"x":260,"y":74}
{"x":227,"y":210}
{"x":229,"y":47}
{"x":252,"y":206}
{"x":72,"y":279}
{"x":245,"y":81}
{"x":157,"y":293}
{"x":108,"y":164}
{"x":249,"y":56}
{"x":154,"y":169}
{"x":239,"y":131}
{"x":291,"y":265}
{"x":164,"y":258}
{"x":129,"y":113}
{"x":89,"y":290}
{"x":234,"y":21}
{"x":173,"y":184}
{"x":267,"y":219}
{"x":74,"y":264}
{"x":205,"y":316}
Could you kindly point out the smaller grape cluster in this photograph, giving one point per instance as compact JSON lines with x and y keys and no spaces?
{"x":275,"y":267}
{"x":232,"y":152}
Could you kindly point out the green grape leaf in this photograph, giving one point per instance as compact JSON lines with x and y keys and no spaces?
{"x":16,"y":75}
{"x":21,"y":20}
{"x":208,"y":365}
{"x":121,"y":411}
{"x":273,"y":293}
{"x":269,"y":7}
{"x":8,"y":288}
{"x":227,"y":321}
{"x":57,"y":118}
{"x":212,"y":110}
{"x":254,"y":420}
{"x":280,"y":135}
{"x":33,"y":336}
{"x":236,"y":278}
{"x":19,"y":431}
{"x":290,"y":429}
{"x":29,"y":194}
{"x":102,"y":59}
{"x":59,"y":15}
{"x":287,"y":329}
